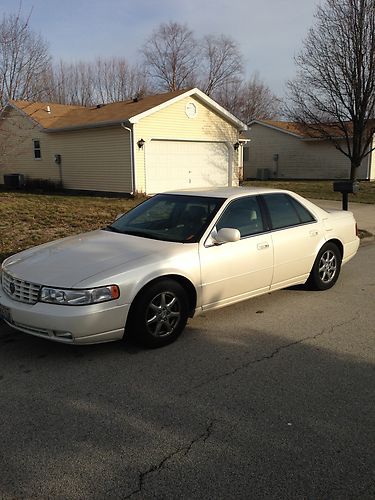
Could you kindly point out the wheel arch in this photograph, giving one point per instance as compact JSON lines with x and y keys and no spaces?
{"x":339,"y":245}
{"x":182,"y":280}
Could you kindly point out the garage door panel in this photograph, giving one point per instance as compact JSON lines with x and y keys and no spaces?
{"x":180,"y":165}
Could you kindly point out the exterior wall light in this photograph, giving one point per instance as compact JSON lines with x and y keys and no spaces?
{"x":236,"y":145}
{"x":141,"y":143}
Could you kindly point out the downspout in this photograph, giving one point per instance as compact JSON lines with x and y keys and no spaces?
{"x":230,"y":161}
{"x":131,"y":144}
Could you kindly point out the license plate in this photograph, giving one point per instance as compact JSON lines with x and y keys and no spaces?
{"x":5,"y":313}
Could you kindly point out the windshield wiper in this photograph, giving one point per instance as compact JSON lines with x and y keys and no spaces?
{"x":113,"y":229}
{"x":142,"y":234}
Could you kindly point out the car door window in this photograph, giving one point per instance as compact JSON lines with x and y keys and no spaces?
{"x":285,"y":211}
{"x":243,"y":214}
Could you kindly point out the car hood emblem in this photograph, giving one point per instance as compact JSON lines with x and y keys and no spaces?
{"x":12,"y":288}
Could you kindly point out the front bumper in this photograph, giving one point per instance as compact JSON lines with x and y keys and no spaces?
{"x":89,"y":324}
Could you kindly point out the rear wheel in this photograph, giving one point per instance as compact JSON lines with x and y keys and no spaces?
{"x":159,"y":314}
{"x":326,"y":268}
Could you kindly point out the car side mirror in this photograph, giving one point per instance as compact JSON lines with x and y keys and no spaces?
{"x":227,"y":235}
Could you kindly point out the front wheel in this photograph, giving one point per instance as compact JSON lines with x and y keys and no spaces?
{"x":159,"y":314}
{"x":326,"y":268}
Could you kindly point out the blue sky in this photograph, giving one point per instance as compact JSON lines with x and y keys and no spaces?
{"x":269,"y":32}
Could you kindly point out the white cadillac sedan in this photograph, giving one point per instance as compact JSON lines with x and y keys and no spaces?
{"x":173,"y":256}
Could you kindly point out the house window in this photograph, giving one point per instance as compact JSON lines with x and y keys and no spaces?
{"x":37,"y":150}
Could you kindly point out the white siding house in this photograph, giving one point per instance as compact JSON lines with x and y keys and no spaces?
{"x":281,"y":150}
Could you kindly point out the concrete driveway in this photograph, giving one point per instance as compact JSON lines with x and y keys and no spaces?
{"x":271,"y":398}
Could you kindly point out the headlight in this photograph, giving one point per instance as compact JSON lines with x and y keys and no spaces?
{"x":67,"y":297}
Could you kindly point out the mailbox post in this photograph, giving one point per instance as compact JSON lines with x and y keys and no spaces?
{"x":345,"y":187}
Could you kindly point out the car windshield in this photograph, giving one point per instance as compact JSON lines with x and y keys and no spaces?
{"x":169,"y":217}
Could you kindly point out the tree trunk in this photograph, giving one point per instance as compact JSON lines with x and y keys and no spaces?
{"x":353,"y":169}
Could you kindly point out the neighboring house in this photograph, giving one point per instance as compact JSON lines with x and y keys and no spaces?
{"x":180,"y":139}
{"x":284,"y":150}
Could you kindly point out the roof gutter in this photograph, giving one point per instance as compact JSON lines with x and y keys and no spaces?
{"x":311,"y":139}
{"x":88,"y":126}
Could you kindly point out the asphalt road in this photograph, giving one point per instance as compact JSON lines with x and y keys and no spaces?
{"x":271,"y":398}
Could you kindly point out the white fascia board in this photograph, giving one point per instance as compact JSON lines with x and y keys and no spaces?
{"x":273,"y":127}
{"x":203,"y":97}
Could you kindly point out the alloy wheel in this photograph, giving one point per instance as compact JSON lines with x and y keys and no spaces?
{"x":327,"y":266}
{"x":163,"y":314}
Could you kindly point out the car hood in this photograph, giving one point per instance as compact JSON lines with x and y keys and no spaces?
{"x":66,"y":262}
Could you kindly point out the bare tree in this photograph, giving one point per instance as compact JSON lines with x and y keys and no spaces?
{"x":24,"y":58}
{"x":75,"y":83}
{"x":230,"y":96}
{"x":172,"y":61}
{"x":249,"y":100}
{"x":259,"y":102}
{"x":100,"y":81}
{"x":170,"y":56}
{"x":333,"y":93}
{"x":117,"y":80}
{"x":221,"y":63}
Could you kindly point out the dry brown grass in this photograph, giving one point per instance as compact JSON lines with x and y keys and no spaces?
{"x":31,"y":219}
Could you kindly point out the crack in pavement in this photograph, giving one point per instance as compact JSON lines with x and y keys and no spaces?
{"x":183,"y":449}
{"x":266,"y":357}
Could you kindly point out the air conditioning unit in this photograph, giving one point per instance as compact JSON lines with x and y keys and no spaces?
{"x":14,"y":181}
{"x":263,"y":174}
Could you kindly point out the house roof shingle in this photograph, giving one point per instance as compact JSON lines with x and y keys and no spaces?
{"x":303,"y":131}
{"x":56,"y":117}
{"x":53,"y":116}
{"x":307,"y":133}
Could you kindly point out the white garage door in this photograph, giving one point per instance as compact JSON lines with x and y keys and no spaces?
{"x":182,"y":165}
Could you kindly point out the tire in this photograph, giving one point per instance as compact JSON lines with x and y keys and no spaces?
{"x":326,"y":268}
{"x":159,"y":314}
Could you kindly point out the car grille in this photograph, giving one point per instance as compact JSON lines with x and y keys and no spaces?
{"x":20,"y":290}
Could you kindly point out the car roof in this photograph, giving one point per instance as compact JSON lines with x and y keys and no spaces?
{"x":225,"y":192}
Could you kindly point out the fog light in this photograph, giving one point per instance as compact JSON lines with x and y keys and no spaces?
{"x":63,"y":335}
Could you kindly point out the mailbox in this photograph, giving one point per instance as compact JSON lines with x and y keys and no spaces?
{"x":346,"y":186}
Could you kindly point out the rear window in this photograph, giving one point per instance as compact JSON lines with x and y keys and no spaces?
{"x":285,"y":211}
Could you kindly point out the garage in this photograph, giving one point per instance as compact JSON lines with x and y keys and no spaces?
{"x":186,"y":164}
{"x":175,"y":140}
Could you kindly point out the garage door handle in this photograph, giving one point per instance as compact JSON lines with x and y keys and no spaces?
{"x":262,"y":246}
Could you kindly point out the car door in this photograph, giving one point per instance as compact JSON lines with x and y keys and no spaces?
{"x":296,"y":235}
{"x":237,"y":270}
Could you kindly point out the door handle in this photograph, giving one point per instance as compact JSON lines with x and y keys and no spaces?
{"x":262,"y":246}
{"x":313,"y":232}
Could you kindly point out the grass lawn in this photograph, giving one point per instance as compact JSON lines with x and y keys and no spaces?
{"x":321,"y":190}
{"x":31,"y":219}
